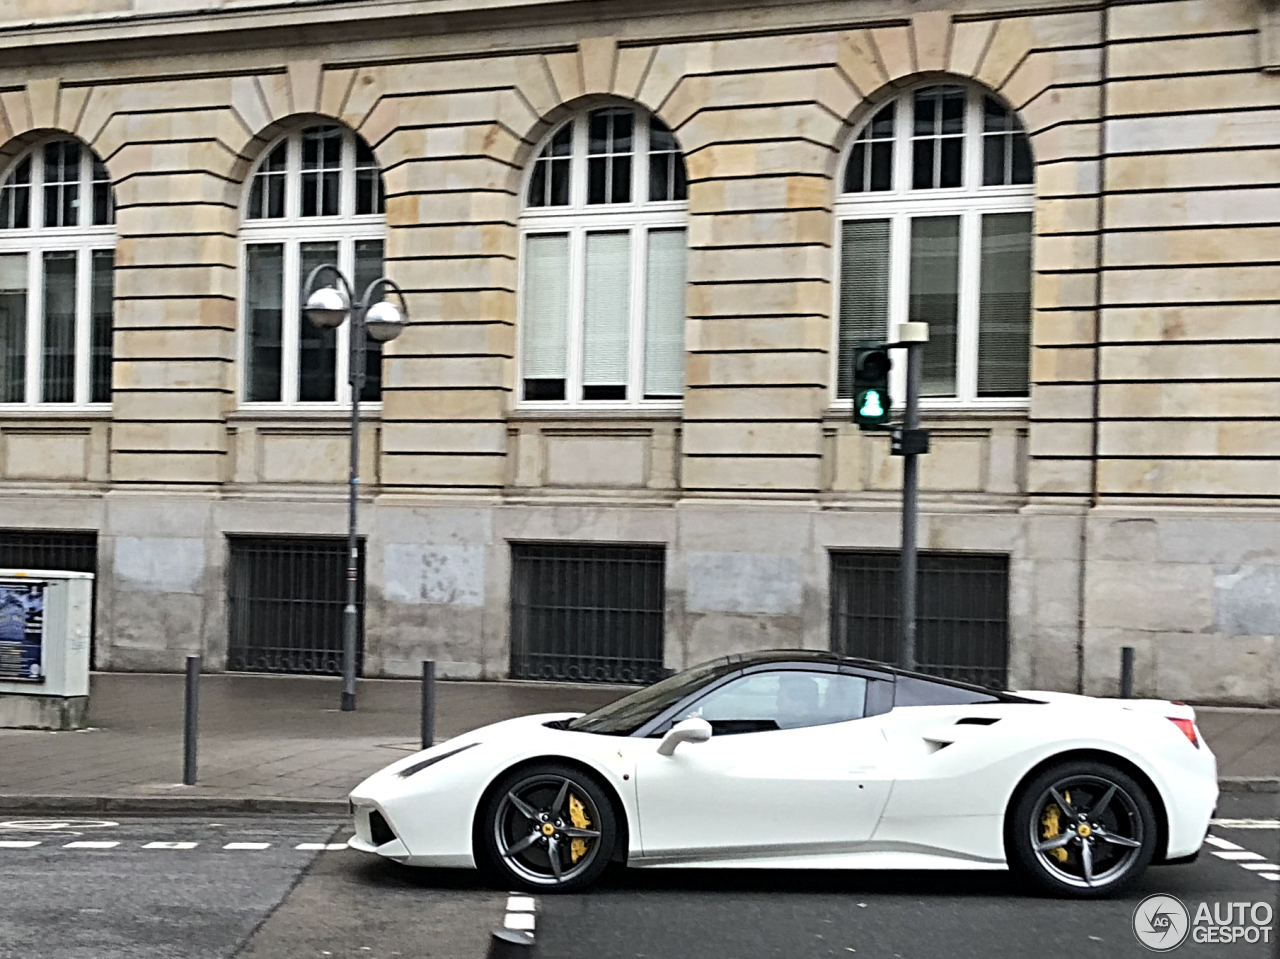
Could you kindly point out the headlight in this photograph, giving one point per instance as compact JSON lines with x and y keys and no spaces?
{"x":419,"y":766}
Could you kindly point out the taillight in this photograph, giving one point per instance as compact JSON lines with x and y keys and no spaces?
{"x":1188,"y":727}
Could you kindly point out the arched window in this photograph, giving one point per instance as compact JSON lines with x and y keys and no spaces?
{"x":603,"y":249}
{"x":57,"y":243}
{"x":315,"y":196}
{"x":935,"y":225}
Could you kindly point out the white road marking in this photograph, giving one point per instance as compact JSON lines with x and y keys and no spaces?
{"x":321,"y":846}
{"x":1273,"y":876}
{"x":91,"y":845}
{"x":1237,"y":856}
{"x":522,"y":921}
{"x":18,"y":843}
{"x":170,"y":845}
{"x":1246,"y":823}
{"x":247,"y":845}
{"x":521,"y":904}
{"x":1261,"y":866}
{"x":1221,"y":843}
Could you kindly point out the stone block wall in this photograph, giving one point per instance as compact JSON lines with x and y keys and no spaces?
{"x":1155,"y":395}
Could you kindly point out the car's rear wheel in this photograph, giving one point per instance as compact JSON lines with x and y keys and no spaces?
{"x":546,"y":828}
{"x":1081,"y":829}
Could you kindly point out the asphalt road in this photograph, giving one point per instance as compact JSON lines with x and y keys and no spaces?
{"x":194,"y":898}
{"x":765,"y":914}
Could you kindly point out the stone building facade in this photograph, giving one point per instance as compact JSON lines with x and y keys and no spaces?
{"x":1130,"y":493}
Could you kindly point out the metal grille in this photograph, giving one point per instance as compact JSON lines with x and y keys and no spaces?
{"x":963,"y":606}
{"x":587,"y":613}
{"x":75,"y":551}
{"x":285,"y":605}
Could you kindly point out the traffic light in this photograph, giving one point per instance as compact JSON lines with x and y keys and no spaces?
{"x":871,"y":402}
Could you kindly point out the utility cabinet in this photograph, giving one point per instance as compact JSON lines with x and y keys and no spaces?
{"x":45,"y":622}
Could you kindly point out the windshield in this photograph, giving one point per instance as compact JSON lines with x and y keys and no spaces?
{"x":624,"y":716}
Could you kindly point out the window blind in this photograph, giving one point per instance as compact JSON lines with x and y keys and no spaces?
{"x":546,"y":306}
{"x":864,"y":291}
{"x":935,"y":283}
{"x":607,"y":309}
{"x":264,"y":314}
{"x":665,"y":314}
{"x":1004,"y":311}
{"x":59,"y":351}
{"x":101,"y":290}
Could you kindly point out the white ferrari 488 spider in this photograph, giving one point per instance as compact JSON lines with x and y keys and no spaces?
{"x":795,"y":759}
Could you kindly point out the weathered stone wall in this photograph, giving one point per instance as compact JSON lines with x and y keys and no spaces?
{"x":1152,"y":415}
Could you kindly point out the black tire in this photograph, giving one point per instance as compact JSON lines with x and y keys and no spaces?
{"x":521,"y":834}
{"x":1120,"y":837}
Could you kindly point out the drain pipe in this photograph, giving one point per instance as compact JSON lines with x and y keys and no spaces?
{"x":1104,"y":69}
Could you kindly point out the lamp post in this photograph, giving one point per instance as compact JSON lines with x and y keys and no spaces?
{"x":328,"y":307}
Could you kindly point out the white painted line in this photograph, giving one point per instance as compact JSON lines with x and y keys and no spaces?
{"x":18,"y":843}
{"x":1273,"y":876}
{"x":520,"y":920}
{"x":247,"y":845}
{"x":521,"y":904}
{"x":321,"y":846}
{"x":91,"y":845}
{"x":1221,"y":843}
{"x":1246,"y":823}
{"x":1239,"y":855}
{"x":170,"y":845}
{"x":1263,"y":866}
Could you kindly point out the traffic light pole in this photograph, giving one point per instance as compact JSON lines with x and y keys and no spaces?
{"x":913,"y":336}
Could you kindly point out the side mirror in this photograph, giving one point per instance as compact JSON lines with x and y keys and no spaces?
{"x":688,"y":731}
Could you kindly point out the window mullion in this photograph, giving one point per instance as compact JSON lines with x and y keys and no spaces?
{"x":640,"y":158}
{"x":289,"y":332}
{"x":639,"y":294}
{"x":577,"y":311}
{"x":347,"y":176}
{"x":84,"y":289}
{"x":35,"y":325}
{"x":293,"y":178}
{"x":578,"y":163}
{"x":342,"y":342}
{"x":967,"y":320}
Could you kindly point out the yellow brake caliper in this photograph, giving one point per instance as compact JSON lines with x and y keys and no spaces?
{"x":577,"y":848}
{"x":1052,"y":826}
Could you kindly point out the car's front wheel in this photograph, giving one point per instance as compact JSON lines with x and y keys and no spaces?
{"x":546,"y":828}
{"x":1081,"y":829}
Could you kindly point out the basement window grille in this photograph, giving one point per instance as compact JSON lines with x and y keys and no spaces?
{"x":75,"y":551}
{"x":587,"y":613}
{"x":962,"y":629}
{"x":285,"y":602}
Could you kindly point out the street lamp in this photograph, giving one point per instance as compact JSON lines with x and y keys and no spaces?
{"x":328,"y":307}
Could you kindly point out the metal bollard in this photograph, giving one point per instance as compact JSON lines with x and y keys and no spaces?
{"x":1126,"y":672}
{"x":510,"y":944}
{"x":189,"y":726}
{"x":428,"y":703}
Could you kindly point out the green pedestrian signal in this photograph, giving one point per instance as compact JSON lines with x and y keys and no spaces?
{"x":871,"y":401}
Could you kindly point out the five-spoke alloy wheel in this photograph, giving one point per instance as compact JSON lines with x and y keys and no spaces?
{"x":549,"y":828}
{"x":1081,"y":829}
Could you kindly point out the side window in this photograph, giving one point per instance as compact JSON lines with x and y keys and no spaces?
{"x":910,"y":691}
{"x":785,"y":699}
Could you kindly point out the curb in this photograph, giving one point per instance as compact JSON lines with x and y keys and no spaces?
{"x":1249,"y":784}
{"x":171,"y":805}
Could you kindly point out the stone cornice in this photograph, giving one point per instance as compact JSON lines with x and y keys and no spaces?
{"x":294,"y":23}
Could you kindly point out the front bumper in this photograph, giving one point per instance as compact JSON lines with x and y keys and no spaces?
{"x":376,"y":836}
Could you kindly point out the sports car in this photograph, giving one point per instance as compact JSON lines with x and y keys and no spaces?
{"x":793,"y":759}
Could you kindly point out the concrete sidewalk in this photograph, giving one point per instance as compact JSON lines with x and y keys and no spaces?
{"x":281,"y":742}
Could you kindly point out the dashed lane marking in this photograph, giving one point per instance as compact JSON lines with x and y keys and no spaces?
{"x":247,"y":845}
{"x":1221,"y":843}
{"x":18,"y":843}
{"x":114,"y":843}
{"x":1246,"y":823}
{"x":105,"y":844}
{"x":321,"y":846}
{"x":1261,"y":866}
{"x":1238,"y":856}
{"x":170,"y":845}
{"x":1273,"y":876}
{"x":521,"y":913}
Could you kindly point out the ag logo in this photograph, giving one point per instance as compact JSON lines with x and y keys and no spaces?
{"x":1161,"y":923}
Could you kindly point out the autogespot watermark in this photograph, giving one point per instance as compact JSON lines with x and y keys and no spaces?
{"x":1162,"y":923}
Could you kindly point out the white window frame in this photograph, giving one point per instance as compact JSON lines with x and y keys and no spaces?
{"x":37,"y":240}
{"x":970,"y":202}
{"x":639,"y":217}
{"x":292,"y":231}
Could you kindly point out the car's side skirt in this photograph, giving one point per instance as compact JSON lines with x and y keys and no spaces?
{"x":865,"y":855}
